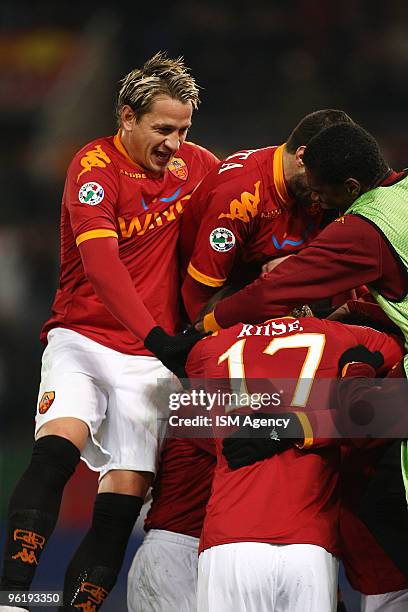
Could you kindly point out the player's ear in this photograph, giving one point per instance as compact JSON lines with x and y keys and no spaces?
{"x":127,"y":117}
{"x":299,"y":156}
{"x":353,"y":187}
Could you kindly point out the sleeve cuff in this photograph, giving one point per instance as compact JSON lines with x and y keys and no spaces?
{"x":98,"y":233}
{"x":203,"y":278}
{"x":307,"y":431}
{"x":358,"y":369}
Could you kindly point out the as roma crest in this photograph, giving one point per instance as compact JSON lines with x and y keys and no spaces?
{"x":46,"y":401}
{"x":178,"y":167}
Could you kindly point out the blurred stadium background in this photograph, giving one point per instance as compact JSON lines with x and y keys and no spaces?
{"x":262,"y":66}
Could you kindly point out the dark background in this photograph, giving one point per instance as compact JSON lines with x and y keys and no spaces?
{"x":262,"y":66}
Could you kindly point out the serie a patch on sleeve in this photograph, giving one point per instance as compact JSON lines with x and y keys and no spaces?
{"x":91,"y":193}
{"x":222,"y":239}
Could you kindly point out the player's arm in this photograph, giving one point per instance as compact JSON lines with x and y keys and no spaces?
{"x":195,"y":296}
{"x":369,"y":408}
{"x":113,"y":285}
{"x":343,"y":256}
{"x":222,"y":234}
{"x":350,"y":420}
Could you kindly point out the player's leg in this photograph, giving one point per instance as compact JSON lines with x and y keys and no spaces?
{"x":61,"y":433}
{"x":307,"y":579}
{"x":130,"y":435}
{"x":237,"y":577}
{"x":257,"y":577}
{"x":163,"y":575}
{"x":395,"y":601}
{"x":95,"y":566}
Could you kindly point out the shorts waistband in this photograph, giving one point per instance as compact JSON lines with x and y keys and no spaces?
{"x":171,"y":536}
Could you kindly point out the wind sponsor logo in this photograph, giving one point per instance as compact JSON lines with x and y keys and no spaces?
{"x":141,"y":224}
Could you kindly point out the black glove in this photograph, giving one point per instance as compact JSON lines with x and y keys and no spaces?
{"x":172,"y":350}
{"x":361,"y":354}
{"x":249,"y":444}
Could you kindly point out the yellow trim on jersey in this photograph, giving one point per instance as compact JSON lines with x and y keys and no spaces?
{"x":118,"y":144}
{"x":279,"y":177}
{"x":275,"y":318}
{"x":345,"y":368}
{"x":307,"y":431}
{"x":209,"y":323}
{"x":203,"y":278}
{"x":98,"y":233}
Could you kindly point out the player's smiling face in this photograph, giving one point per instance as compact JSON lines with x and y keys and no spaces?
{"x":153,"y":140}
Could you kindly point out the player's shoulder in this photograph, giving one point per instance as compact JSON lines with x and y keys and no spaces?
{"x":241,"y":172}
{"x":237,"y":165}
{"x":211,"y":345}
{"x":96,"y":148}
{"x":99,"y":153}
{"x":350,"y":222}
{"x":353,"y":334}
{"x":347,"y":231}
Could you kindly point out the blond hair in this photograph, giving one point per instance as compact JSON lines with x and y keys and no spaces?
{"x":160,"y":75}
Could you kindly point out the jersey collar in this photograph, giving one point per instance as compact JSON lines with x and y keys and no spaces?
{"x":118,"y":144}
{"x":279,"y":177}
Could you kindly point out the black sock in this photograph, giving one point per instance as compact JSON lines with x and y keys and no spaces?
{"x":34,"y":507}
{"x":93,"y":571}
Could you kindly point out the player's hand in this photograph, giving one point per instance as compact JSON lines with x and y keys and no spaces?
{"x":341,"y":313}
{"x":249,"y":444}
{"x":361,"y":354}
{"x":172,"y":350}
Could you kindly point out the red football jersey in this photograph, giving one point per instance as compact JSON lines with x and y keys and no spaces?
{"x":291,"y":498}
{"x":107,"y":194}
{"x":242,"y":212}
{"x":182,"y":486}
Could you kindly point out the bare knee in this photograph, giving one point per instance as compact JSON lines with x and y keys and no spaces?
{"x":126,"y":482}
{"x":74,"y":430}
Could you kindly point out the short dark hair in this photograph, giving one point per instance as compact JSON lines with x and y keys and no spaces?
{"x":345,"y":151}
{"x":312,"y":124}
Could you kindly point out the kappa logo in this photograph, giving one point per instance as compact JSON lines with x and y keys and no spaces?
{"x":46,"y":401}
{"x":97,"y":594}
{"x":178,"y":168}
{"x":222,"y":239}
{"x":95,"y":158}
{"x":30,"y":541}
{"x":246,"y":208}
